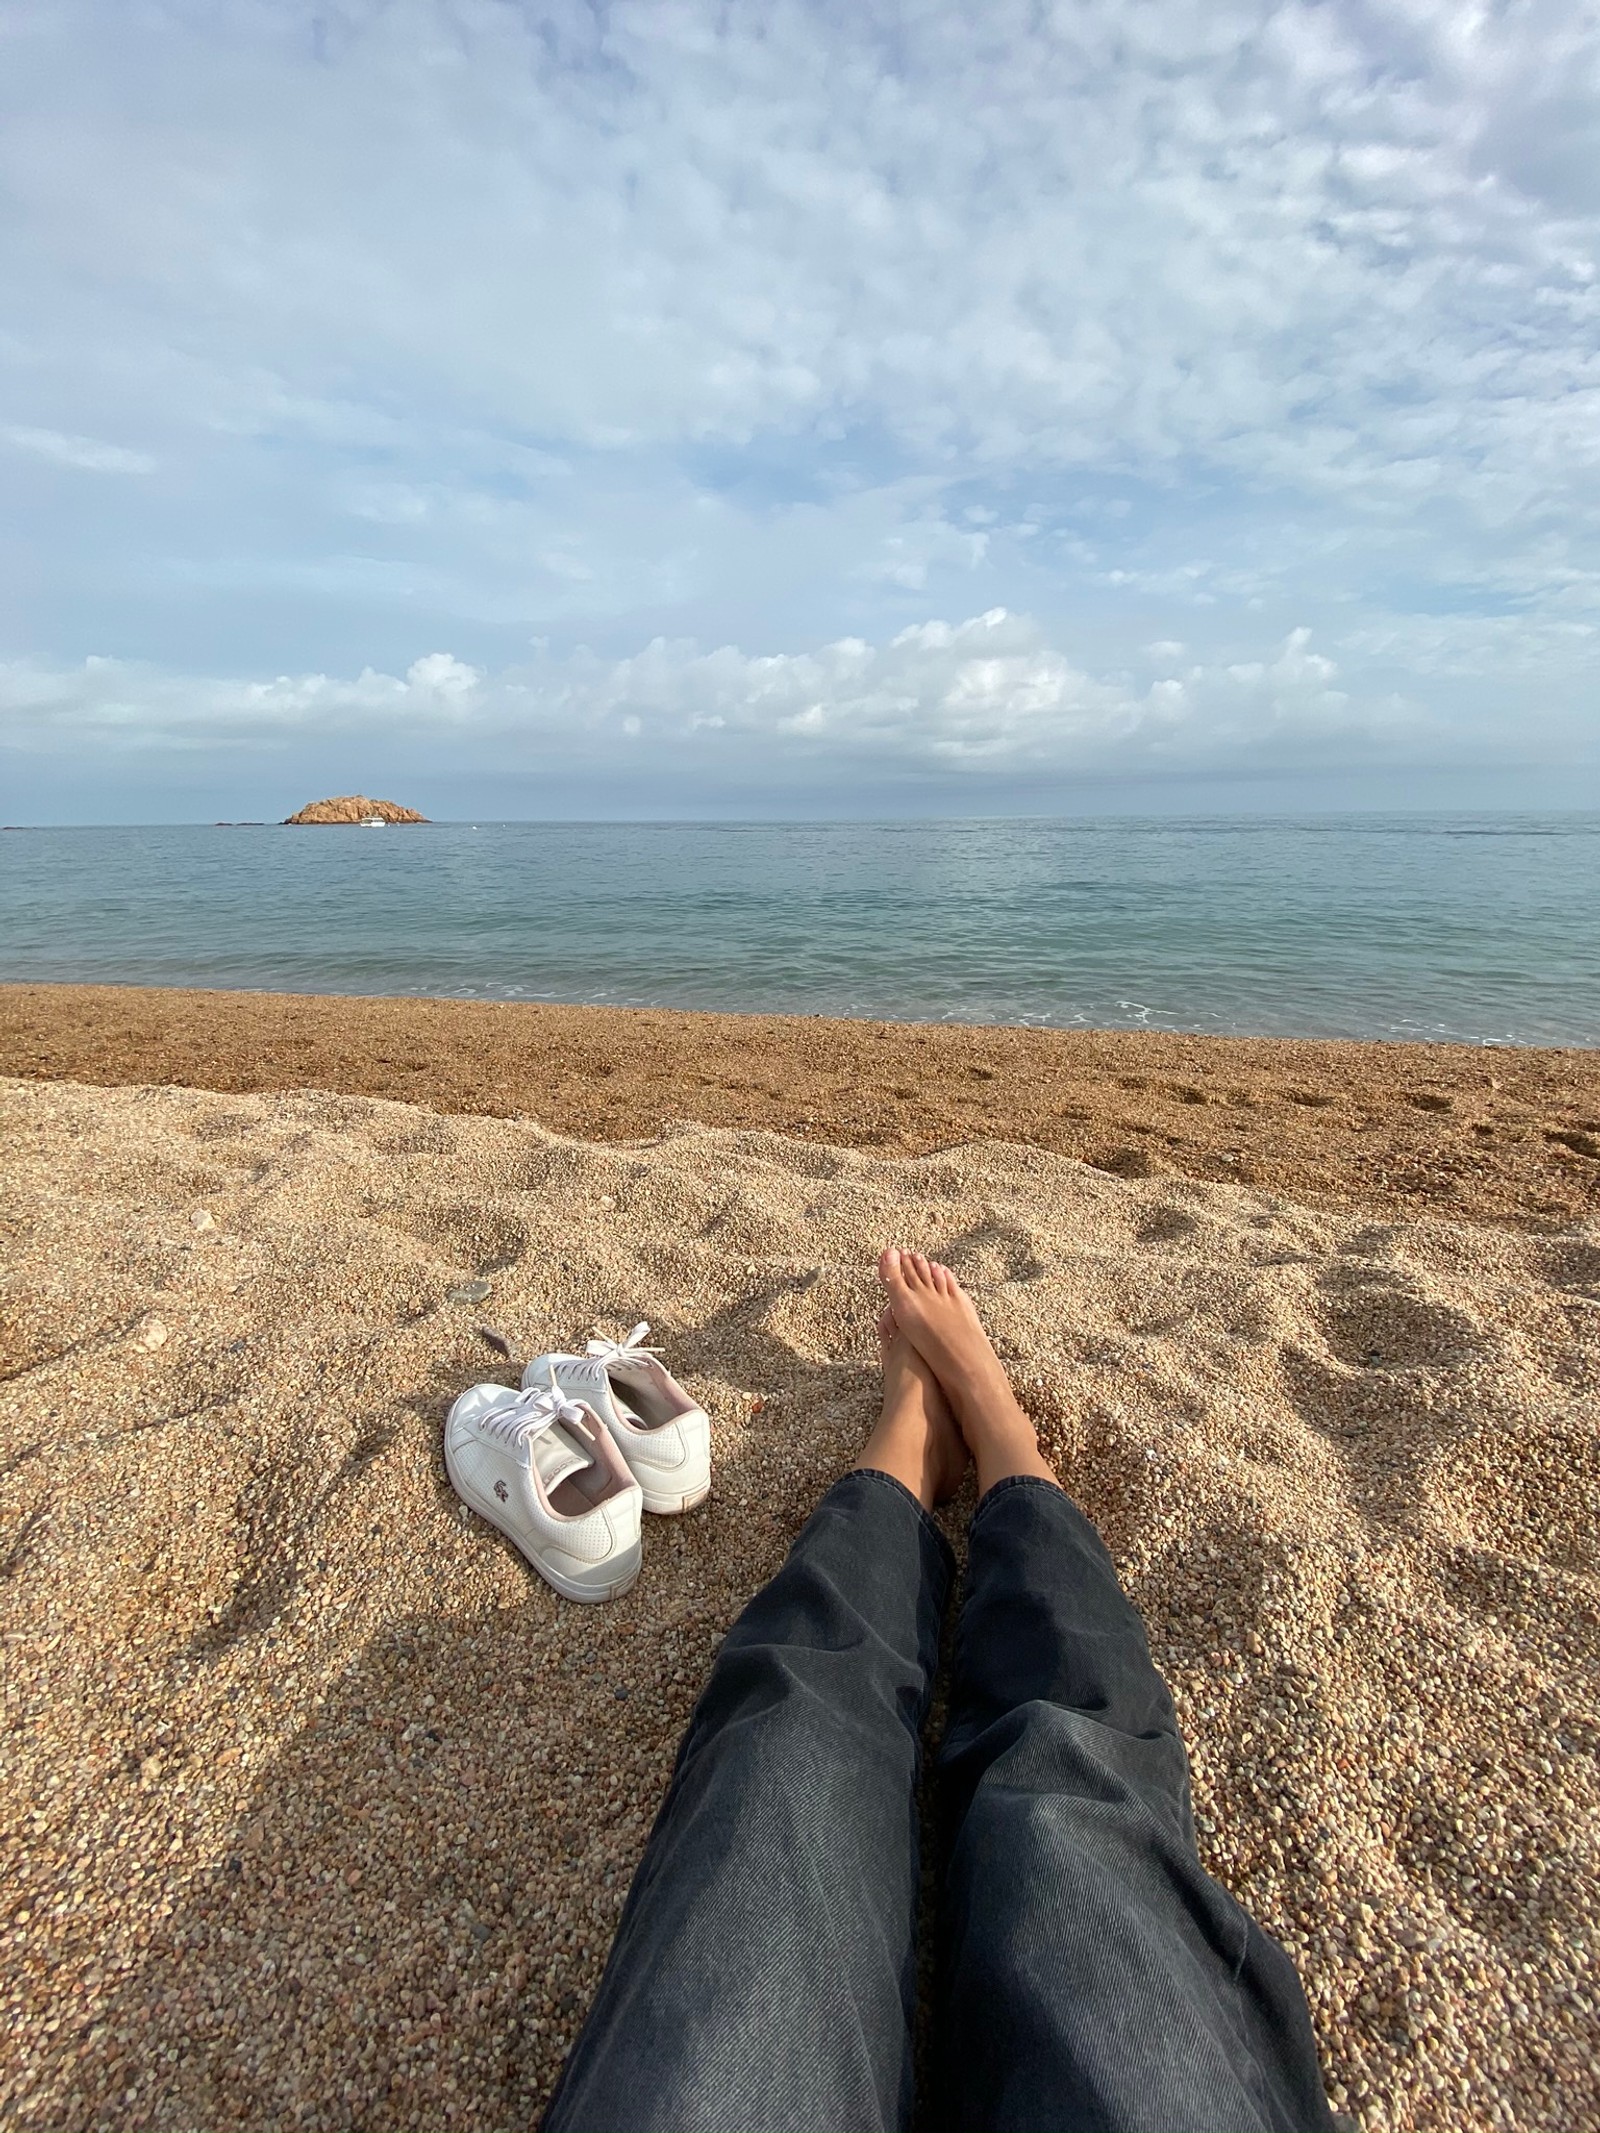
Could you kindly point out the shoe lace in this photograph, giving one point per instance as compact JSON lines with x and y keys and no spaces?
{"x":530,"y":1415}
{"x":627,"y":1350}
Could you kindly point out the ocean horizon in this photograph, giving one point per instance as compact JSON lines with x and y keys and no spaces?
{"x":1476,"y":928}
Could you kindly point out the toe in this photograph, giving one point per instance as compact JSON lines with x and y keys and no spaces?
{"x":890,"y":1269}
{"x":918,"y":1268}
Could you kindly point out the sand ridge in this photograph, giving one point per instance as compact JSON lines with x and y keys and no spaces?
{"x":320,"y":1808}
{"x":1484,"y":1135}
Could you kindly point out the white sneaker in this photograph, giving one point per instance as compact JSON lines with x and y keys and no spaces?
{"x":659,"y":1430}
{"x":545,"y":1471}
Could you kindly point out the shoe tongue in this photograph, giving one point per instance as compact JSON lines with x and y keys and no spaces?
{"x":555,"y":1456}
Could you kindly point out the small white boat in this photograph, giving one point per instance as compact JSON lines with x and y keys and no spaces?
{"x":372,"y":822}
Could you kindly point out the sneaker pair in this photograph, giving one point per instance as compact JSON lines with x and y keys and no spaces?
{"x":566,"y":1466}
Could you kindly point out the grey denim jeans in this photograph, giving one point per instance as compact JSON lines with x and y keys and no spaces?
{"x":1092,"y":1978}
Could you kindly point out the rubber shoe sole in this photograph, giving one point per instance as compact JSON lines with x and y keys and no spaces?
{"x":665,"y":1506}
{"x":553,"y":1578}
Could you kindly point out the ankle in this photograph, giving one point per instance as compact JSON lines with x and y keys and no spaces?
{"x":1001,"y":1438}
{"x":899,"y":1446}
{"x":989,"y":1412}
{"x":1026,"y":1463}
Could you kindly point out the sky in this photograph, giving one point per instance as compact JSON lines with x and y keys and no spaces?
{"x":526,"y":408}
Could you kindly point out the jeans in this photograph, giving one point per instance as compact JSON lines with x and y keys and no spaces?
{"x":1092,"y":1978}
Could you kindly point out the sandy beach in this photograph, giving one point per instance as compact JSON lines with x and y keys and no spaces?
{"x":1482,"y":1135}
{"x":319,"y":1808}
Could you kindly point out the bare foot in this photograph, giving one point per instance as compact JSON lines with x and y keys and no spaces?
{"x":915,"y":1438}
{"x":937,"y":1316}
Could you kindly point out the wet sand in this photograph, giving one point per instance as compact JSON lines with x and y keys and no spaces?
{"x":1479,"y":1135}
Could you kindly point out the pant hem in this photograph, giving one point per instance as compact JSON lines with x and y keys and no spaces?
{"x":1019,"y":1481}
{"x":930,"y":1524}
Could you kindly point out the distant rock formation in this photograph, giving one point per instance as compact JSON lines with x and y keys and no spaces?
{"x":354,"y":807}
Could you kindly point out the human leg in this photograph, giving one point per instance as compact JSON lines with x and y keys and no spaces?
{"x":1094,"y":1977}
{"x":937,"y":1317}
{"x":915,"y":1439}
{"x":761,"y":1979}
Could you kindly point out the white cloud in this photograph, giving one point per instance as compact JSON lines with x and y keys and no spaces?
{"x":958,"y":701}
{"x":1307,"y":239}
{"x":91,"y":454}
{"x":444,"y":676}
{"x":454,"y":321}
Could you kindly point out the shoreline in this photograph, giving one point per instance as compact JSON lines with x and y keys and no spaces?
{"x":1476,"y":1134}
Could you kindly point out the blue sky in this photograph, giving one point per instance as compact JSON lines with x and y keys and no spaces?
{"x":531,"y":409}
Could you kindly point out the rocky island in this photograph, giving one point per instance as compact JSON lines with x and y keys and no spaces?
{"x":353,"y":808}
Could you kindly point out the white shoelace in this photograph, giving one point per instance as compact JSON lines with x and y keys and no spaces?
{"x":530,"y":1415}
{"x":626,"y":1351}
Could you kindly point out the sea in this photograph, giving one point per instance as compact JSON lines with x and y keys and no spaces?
{"x":1477,"y":929}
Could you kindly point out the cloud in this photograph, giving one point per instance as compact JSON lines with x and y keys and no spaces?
{"x":958,"y":702}
{"x":139,"y":708}
{"x":1299,"y":240}
{"x":88,"y":453}
{"x":464,"y":322}
{"x":443,"y":676}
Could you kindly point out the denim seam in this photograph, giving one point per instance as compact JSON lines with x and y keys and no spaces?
{"x":925,"y":1516}
{"x":1016,"y":1481}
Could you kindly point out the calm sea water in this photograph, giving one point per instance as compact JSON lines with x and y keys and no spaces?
{"x":1483,"y":928}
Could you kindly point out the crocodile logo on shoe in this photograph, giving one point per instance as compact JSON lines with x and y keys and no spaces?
{"x":501,"y":1490}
